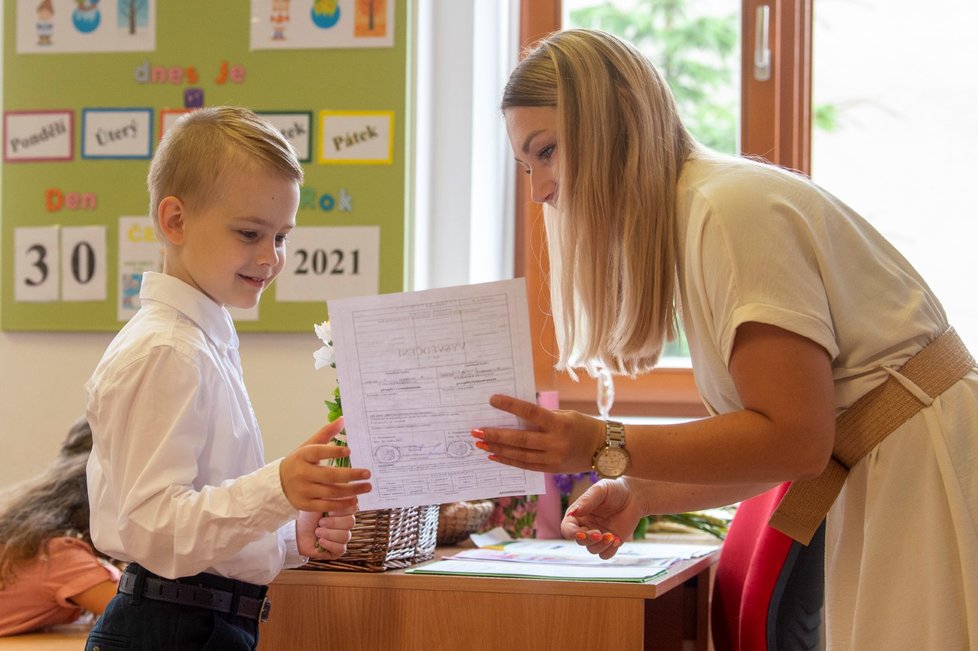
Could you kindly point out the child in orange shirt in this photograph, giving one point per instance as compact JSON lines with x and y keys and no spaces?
{"x":49,"y":572}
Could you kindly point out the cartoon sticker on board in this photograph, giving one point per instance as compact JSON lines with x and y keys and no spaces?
{"x":325,"y":13}
{"x":60,"y":26}
{"x":86,"y":17}
{"x":133,"y":14}
{"x":279,"y":19}
{"x":45,"y":22}
{"x":320,"y":24}
{"x":193,"y":97}
{"x":370,"y":18}
{"x":129,"y":285}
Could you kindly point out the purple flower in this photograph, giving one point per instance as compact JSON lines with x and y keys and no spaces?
{"x":565,"y":481}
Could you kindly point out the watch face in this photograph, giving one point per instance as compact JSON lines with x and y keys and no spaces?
{"x":611,"y":462}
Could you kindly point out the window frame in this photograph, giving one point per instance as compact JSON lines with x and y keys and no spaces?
{"x":775,"y":125}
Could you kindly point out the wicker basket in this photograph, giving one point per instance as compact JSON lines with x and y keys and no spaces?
{"x":388,"y":539}
{"x":459,"y":519}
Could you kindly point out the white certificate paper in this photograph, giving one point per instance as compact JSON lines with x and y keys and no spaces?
{"x":416,"y":370}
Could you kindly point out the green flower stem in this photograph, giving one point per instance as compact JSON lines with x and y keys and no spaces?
{"x":335,"y":411}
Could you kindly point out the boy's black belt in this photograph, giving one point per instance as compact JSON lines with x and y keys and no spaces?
{"x":190,"y":592}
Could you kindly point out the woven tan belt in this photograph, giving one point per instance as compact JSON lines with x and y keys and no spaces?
{"x":869,"y":420}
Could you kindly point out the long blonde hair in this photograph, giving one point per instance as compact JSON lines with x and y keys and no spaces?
{"x":612,"y":237}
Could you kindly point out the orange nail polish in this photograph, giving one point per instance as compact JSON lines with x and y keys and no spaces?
{"x":493,"y":457}
{"x":595,"y":537}
{"x":581,"y":535}
{"x":608,"y":537}
{"x":617,"y":541}
{"x":482,"y":445}
{"x":478,"y":433}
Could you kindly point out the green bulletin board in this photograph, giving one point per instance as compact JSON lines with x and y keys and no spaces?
{"x":90,"y":85}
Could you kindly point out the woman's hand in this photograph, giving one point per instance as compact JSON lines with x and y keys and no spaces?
{"x":605,"y":515}
{"x":563,"y":441}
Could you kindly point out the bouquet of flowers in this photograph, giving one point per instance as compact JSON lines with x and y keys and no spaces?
{"x":516,"y":514}
{"x":324,"y":357}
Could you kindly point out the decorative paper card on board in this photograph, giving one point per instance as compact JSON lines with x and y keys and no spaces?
{"x":297,"y":129}
{"x":53,"y":26}
{"x":167,"y":117}
{"x":60,"y":263}
{"x":356,"y":137}
{"x":330,"y":262}
{"x":31,"y":136}
{"x":304,"y":24}
{"x":117,"y":133}
{"x":139,"y":251}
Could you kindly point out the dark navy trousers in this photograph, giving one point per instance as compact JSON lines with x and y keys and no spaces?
{"x":136,"y":623}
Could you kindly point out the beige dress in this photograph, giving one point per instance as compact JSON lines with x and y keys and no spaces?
{"x":761,"y":244}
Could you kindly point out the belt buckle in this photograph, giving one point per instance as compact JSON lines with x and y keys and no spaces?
{"x":266,"y":608}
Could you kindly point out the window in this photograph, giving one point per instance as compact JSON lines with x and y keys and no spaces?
{"x":900,"y":137}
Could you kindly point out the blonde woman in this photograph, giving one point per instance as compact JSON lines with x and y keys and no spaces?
{"x":810,"y":336}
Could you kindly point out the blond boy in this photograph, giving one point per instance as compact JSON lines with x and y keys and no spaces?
{"x":177,"y":480}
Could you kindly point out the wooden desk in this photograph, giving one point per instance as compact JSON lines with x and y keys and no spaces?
{"x":65,"y":637}
{"x":391,"y":611}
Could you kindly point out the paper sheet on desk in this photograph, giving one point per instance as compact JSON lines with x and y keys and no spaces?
{"x":578,"y":560}
{"x":540,"y":571}
{"x":499,"y":555}
{"x":497,"y":542}
{"x":630,"y":553}
{"x":416,"y":370}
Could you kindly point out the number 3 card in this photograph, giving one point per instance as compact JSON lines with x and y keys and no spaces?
{"x":36,"y":264}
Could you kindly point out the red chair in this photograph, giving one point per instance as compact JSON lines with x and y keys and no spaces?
{"x":769,"y":589}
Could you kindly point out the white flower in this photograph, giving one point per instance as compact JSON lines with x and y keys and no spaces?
{"x":325,"y":332}
{"x":324,"y":356}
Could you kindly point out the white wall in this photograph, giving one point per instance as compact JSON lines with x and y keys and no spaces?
{"x":43,"y":375}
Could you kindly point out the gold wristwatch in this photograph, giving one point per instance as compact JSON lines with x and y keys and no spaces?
{"x":611,"y":461}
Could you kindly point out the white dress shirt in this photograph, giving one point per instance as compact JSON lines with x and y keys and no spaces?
{"x":177,"y":479}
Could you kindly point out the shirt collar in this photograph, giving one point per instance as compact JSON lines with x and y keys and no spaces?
{"x":210,"y":317}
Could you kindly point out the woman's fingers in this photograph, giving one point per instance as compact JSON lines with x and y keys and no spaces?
{"x":528,"y":411}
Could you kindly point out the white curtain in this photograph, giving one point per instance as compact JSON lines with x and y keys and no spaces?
{"x":461,"y":180}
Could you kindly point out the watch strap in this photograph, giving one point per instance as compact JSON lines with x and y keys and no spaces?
{"x":614,"y":434}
